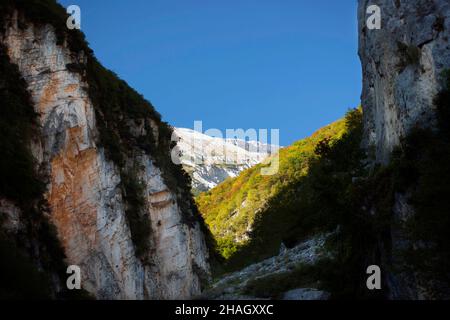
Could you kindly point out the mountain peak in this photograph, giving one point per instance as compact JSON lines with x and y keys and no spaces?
{"x":210,"y":160}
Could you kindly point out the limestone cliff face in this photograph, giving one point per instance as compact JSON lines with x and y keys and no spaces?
{"x":402,"y":74}
{"x":86,"y":202}
{"x":402,"y":64}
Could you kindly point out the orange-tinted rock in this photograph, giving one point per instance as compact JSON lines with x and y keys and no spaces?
{"x":84,"y":192}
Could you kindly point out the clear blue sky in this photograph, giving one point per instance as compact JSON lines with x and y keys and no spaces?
{"x":288,"y":64}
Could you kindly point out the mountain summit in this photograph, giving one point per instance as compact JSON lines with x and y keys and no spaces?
{"x":211,"y":160}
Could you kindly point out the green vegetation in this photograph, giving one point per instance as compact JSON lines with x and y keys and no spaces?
{"x":18,"y":125}
{"x":118,"y":109}
{"x":138,"y":219}
{"x":265,"y":202}
{"x":419,"y":171}
{"x":337,"y":191}
{"x":43,"y":12}
{"x":328,"y":193}
{"x":21,"y":184}
{"x":19,"y":277}
{"x":423,"y":161}
{"x":322,"y":185}
{"x":323,"y":191}
{"x":327,"y":199}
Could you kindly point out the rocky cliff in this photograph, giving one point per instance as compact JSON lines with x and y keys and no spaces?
{"x":122,"y":211}
{"x":403,"y":74}
{"x":402,"y":68}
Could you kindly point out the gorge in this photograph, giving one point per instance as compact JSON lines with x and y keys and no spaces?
{"x":87,"y":179}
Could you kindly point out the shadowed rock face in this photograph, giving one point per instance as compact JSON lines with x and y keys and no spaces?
{"x":84,"y":193}
{"x":402,"y":65}
{"x":402,"y":73}
{"x":306,"y":294}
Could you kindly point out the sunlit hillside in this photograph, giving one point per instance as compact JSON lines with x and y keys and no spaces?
{"x":232,"y":208}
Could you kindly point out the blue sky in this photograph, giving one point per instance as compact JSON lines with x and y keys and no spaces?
{"x":290,"y":65}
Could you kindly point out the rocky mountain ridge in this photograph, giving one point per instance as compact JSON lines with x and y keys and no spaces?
{"x":211,"y":160}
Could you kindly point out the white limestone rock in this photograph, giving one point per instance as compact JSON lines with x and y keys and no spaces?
{"x":84,"y":195}
{"x":402,"y":65}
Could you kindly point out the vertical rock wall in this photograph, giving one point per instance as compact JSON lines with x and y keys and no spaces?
{"x":84,"y":192}
{"x":402,"y":65}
